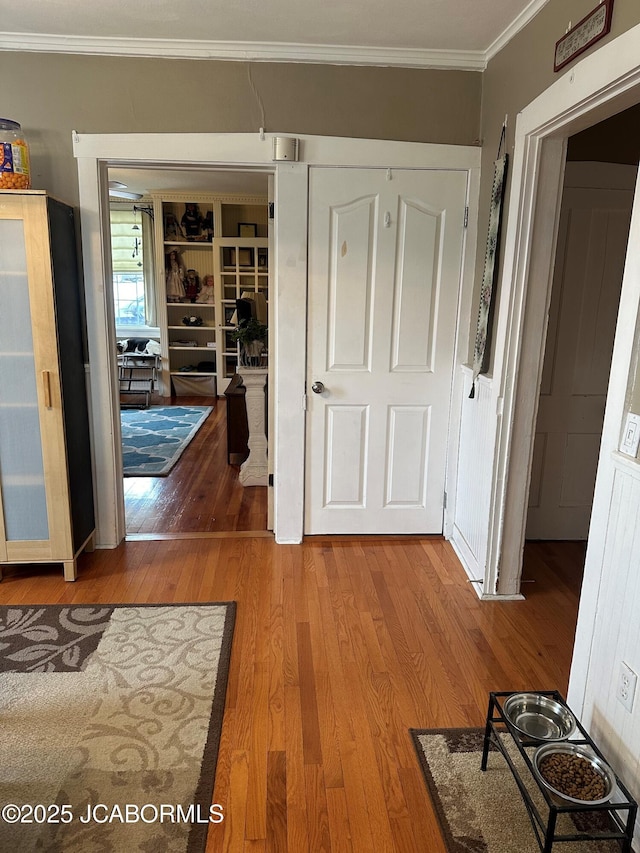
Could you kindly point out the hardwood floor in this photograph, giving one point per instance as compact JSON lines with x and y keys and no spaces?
{"x":202,"y":494}
{"x":341,"y":645}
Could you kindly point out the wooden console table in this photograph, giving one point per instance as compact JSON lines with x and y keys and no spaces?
{"x":237,"y":424}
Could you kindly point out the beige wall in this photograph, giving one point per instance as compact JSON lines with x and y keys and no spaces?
{"x":519,"y":73}
{"x":51,"y":95}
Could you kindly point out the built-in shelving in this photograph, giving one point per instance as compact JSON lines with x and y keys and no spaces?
{"x":205,"y":232}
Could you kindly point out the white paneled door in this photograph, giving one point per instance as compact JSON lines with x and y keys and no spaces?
{"x":385,"y":261}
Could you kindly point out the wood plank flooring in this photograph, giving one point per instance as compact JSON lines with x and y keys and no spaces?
{"x":341,"y":645}
{"x":202,"y":494}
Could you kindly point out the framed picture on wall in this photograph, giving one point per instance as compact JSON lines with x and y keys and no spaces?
{"x":247,"y":229}
{"x":586,"y":33}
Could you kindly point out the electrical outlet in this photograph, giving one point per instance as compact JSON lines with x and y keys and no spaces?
{"x":626,"y":690}
{"x":631,"y":436}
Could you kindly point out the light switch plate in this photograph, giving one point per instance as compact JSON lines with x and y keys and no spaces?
{"x":631,"y":435}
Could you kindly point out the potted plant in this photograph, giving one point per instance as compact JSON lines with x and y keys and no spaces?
{"x":252,"y":337}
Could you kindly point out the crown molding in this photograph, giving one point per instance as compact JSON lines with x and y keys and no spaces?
{"x":461,"y":60}
{"x":519,"y":23}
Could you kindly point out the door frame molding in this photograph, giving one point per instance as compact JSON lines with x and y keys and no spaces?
{"x":597,"y":87}
{"x":95,"y":153}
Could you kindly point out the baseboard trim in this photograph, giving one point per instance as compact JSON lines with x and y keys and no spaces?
{"x":217,"y":534}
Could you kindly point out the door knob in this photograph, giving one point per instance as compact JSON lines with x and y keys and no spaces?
{"x":317,"y":387}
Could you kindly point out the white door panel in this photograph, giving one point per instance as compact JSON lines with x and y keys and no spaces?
{"x":416,"y":286}
{"x":346,"y":427}
{"x":408,"y":440}
{"x":384,"y":276}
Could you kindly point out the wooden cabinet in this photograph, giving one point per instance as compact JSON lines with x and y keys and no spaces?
{"x":237,"y":423}
{"x":204,"y":265}
{"x":46,"y":490}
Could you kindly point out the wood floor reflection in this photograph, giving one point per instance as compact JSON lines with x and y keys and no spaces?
{"x":202,"y":494}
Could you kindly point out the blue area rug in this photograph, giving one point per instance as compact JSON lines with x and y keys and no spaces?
{"x":154,"y":439}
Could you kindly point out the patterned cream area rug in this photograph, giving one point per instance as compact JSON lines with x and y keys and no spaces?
{"x":110,"y":721}
{"x":483,"y":812}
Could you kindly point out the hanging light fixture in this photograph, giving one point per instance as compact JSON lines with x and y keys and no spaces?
{"x":137,"y":243}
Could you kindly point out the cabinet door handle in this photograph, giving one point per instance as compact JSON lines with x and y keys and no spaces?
{"x":46,"y":387}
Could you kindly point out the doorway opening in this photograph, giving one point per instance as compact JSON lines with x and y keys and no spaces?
{"x":593,"y":231}
{"x":186,"y":371}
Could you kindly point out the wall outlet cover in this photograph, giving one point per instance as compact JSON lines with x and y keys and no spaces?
{"x":626,"y":687}
{"x":631,"y":435}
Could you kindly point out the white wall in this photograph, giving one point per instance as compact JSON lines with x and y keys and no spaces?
{"x":616,"y":635}
{"x":608,"y":630}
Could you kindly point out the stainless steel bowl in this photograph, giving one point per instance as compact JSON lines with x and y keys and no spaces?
{"x":539,"y":717}
{"x":597,"y":764}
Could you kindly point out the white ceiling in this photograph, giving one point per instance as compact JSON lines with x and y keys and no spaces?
{"x":151,"y":180}
{"x":418,"y":33}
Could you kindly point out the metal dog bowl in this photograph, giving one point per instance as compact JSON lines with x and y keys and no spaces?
{"x":539,"y":717}
{"x":573,"y":749}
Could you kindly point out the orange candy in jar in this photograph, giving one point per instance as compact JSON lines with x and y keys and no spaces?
{"x":14,"y":157}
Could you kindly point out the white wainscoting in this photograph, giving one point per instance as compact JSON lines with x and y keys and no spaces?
{"x":473,"y":486}
{"x":616,"y":635}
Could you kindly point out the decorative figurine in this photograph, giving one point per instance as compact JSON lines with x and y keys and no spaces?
{"x":172,"y":229}
{"x":206,"y":291}
{"x":207,"y":226}
{"x":192,"y":221}
{"x":192,"y":286}
{"x":192,"y":320}
{"x":175,"y":276}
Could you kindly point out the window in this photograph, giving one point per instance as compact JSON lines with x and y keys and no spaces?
{"x":128,"y":297}
{"x":129,"y":262}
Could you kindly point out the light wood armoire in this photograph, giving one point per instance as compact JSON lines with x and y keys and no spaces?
{"x":46,"y":488}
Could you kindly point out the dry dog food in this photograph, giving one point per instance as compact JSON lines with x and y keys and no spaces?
{"x":573,"y":776}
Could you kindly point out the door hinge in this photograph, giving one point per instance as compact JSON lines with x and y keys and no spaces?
{"x":272,"y":209}
{"x":444,"y":501}
{"x":304,"y":402}
{"x":466,"y":216}
{"x":270,"y":480}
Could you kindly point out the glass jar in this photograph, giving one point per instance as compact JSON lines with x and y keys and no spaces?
{"x":14,"y":157}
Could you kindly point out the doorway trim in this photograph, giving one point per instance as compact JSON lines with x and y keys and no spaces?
{"x":597,"y":87}
{"x":95,"y":153}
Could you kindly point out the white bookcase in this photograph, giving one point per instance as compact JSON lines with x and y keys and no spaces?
{"x":242,"y":266}
{"x":198,"y":355}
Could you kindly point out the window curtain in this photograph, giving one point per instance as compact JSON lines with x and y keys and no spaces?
{"x":126,"y":244}
{"x":149,"y":268}
{"x":133,"y":249}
